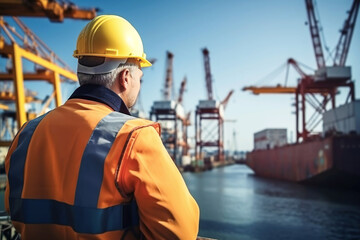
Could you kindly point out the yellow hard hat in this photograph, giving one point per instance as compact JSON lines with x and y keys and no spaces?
{"x":112,"y":37}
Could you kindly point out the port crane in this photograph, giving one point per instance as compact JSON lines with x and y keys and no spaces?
{"x":170,"y":114}
{"x":324,"y":82}
{"x":209,"y":117}
{"x":18,"y":42}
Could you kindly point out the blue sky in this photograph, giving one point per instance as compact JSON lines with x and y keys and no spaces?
{"x":247,"y":40}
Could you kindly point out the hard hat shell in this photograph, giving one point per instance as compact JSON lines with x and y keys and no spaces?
{"x":110,"y":36}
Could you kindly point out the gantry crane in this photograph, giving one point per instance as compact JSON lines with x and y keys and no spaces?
{"x":170,"y":114}
{"x":324,"y":82}
{"x":209,"y":120}
{"x":19,"y":42}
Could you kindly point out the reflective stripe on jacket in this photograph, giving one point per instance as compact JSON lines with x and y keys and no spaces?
{"x":73,"y":173}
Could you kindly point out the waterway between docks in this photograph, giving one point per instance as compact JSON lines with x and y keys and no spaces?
{"x":236,"y":204}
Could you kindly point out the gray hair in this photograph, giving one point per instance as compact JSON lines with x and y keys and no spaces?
{"x":106,"y":79}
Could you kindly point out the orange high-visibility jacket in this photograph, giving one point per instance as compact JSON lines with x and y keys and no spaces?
{"x":81,"y":171}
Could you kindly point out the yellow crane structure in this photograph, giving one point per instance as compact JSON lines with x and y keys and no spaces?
{"x":51,"y":9}
{"x":24,"y":44}
{"x":278,"y":89}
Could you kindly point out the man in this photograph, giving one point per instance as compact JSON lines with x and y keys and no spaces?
{"x":87,"y":169}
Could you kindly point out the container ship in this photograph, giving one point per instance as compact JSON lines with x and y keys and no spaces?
{"x":329,"y":158}
{"x":332,"y":157}
{"x":328,"y":161}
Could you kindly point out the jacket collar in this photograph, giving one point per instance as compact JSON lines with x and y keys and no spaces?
{"x":101,"y":94}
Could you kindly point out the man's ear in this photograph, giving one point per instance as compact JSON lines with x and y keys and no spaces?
{"x":123,"y":78}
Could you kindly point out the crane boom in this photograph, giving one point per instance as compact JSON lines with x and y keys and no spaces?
{"x":207,"y":73}
{"x":342,"y":48}
{"x":4,"y":107}
{"x":226,"y":99}
{"x":295,"y":64}
{"x":277,"y":90}
{"x":182,"y":90}
{"x":169,"y":76}
{"x":32,"y":48}
{"x":51,"y":9}
{"x":315,"y":36}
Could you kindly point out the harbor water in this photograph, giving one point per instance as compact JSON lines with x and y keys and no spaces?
{"x":236,"y":204}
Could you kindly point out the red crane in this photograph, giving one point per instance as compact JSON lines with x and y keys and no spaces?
{"x":326,"y":79}
{"x":209,"y":122}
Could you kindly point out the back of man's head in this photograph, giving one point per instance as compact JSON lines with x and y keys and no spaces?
{"x":103,"y":79}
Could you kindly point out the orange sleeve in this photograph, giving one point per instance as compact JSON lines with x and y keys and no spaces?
{"x":166,"y":208}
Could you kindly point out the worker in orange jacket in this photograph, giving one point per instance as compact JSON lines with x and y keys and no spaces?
{"x":87,"y":169}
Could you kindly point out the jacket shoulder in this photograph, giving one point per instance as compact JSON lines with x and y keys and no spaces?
{"x":138,"y":123}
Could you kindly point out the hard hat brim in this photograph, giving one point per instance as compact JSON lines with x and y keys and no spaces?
{"x":144,"y":63}
{"x":109,"y":65}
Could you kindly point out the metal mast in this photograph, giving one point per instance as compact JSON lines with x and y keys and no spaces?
{"x":315,"y":36}
{"x":207,"y":74}
{"x":168,"y":86}
{"x":343,"y":45}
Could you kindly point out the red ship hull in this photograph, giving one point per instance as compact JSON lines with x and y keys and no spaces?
{"x":329,"y":161}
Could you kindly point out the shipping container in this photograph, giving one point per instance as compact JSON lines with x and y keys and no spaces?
{"x":270,"y":138}
{"x":344,"y":119}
